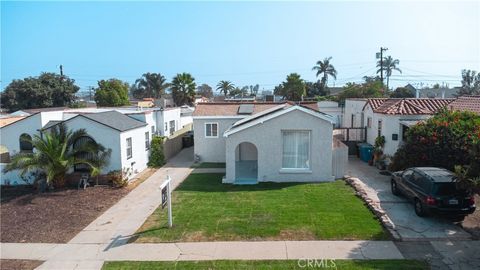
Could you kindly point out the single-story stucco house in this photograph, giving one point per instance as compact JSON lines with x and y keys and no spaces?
{"x":127,"y":132}
{"x":268,"y":141}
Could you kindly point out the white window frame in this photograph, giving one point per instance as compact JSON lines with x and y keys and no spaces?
{"x":211,"y":123}
{"x":147,"y":141}
{"x":379,"y":127}
{"x":369,"y":122}
{"x":129,"y":147}
{"x":173,"y":127}
{"x":299,"y":170}
{"x":153,"y":131}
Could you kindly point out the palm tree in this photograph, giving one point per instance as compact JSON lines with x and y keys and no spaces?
{"x":55,"y":154}
{"x":225,"y":87}
{"x":150,"y":85}
{"x":389,"y":65}
{"x":183,"y":89}
{"x":327,"y":69}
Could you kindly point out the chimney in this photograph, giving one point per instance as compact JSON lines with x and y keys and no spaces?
{"x":417,"y":93}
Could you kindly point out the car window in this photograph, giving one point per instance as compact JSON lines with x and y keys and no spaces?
{"x":416,"y":178}
{"x":421,"y":181}
{"x":407,"y":174}
{"x":443,"y":189}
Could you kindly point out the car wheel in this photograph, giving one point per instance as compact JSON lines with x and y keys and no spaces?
{"x":394,"y":188}
{"x":419,"y":209}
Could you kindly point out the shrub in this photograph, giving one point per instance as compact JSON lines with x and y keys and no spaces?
{"x":120,"y":178}
{"x":445,"y":140}
{"x":157,"y":157}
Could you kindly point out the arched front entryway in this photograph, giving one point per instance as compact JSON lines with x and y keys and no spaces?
{"x":83,"y":155}
{"x":246,"y":163}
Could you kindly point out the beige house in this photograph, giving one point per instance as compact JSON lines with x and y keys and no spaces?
{"x":268,"y":142}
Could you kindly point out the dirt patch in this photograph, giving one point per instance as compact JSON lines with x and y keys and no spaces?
{"x":54,"y":217}
{"x":472,"y":222}
{"x":19,"y":264}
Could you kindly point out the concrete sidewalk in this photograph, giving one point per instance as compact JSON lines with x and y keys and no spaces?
{"x":91,"y":256}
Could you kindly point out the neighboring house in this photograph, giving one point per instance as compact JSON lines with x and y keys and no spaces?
{"x":7,"y":120}
{"x":353,"y":112}
{"x":126,"y":131}
{"x":466,"y":103}
{"x":332,"y":108}
{"x":392,"y":117}
{"x":200,"y":98}
{"x":268,"y":142}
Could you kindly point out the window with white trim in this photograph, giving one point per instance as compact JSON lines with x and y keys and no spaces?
{"x":380,"y":122}
{"x":172,"y":127}
{"x":129,"y":148}
{"x":296,"y":149}
{"x":153,"y":131}
{"x":211,"y":130}
{"x":369,"y":122}
{"x":147,"y":140}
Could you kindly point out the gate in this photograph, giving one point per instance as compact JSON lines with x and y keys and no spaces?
{"x":351,"y":137}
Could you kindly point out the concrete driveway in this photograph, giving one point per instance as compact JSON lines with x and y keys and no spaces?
{"x":406,"y":223}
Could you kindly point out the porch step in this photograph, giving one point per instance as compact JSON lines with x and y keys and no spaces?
{"x":245,"y":182}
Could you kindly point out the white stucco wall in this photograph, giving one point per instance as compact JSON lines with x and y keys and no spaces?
{"x":331,"y":108}
{"x":165,"y":116}
{"x":211,"y":149}
{"x":103,"y":135}
{"x":139,"y":159}
{"x":355,"y":107}
{"x":267,"y":137}
{"x":390,"y":125}
{"x":10,"y":135}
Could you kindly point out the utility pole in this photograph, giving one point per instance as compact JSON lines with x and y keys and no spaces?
{"x":61,"y":70}
{"x":381,"y":62}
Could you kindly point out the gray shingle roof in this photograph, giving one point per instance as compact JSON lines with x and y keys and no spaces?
{"x":115,"y":120}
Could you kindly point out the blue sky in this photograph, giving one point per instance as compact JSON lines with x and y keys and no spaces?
{"x":244,"y":42}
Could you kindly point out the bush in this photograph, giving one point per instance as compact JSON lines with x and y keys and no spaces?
{"x":157,"y":157}
{"x":119,"y":178}
{"x":445,"y":140}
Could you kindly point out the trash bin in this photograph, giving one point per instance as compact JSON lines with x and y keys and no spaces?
{"x":366,"y":152}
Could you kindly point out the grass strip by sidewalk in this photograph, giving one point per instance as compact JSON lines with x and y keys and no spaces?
{"x":270,"y":265}
{"x":204,"y":209}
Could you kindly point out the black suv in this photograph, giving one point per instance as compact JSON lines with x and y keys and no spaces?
{"x":433,"y":190}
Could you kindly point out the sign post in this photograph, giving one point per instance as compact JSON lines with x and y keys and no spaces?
{"x":167,"y":198}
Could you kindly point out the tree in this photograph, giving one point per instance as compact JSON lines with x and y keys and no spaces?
{"x":55,"y":154}
{"x":150,"y":85}
{"x":369,"y":79}
{"x":225,"y":87}
{"x":389,"y":65}
{"x":327,"y":69}
{"x":112,"y":93}
{"x":402,"y":92}
{"x":292,"y":89}
{"x":254,"y":89}
{"x":46,"y":90}
{"x":315,"y":89}
{"x":448,"y":139}
{"x":205,"y":90}
{"x":470,"y":83}
{"x":365,"y":90}
{"x":183,"y":89}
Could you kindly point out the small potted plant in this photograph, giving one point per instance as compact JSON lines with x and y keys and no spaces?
{"x":378,"y":148}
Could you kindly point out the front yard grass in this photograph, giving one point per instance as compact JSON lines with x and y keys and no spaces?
{"x":204,"y":209}
{"x":290,"y":264}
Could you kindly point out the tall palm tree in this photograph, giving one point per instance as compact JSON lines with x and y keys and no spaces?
{"x":150,"y":85}
{"x":55,"y":155}
{"x":327,"y":69}
{"x":389,"y":65}
{"x":225,"y":87}
{"x":183,"y":89}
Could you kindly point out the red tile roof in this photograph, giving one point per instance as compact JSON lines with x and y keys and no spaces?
{"x":466,"y":103}
{"x":231,"y":108}
{"x":408,"y":106}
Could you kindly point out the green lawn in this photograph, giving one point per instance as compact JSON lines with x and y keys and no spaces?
{"x":204,"y":209}
{"x":209,"y":165}
{"x":291,"y":264}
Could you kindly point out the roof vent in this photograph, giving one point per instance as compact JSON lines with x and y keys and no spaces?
{"x":245,"y":109}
